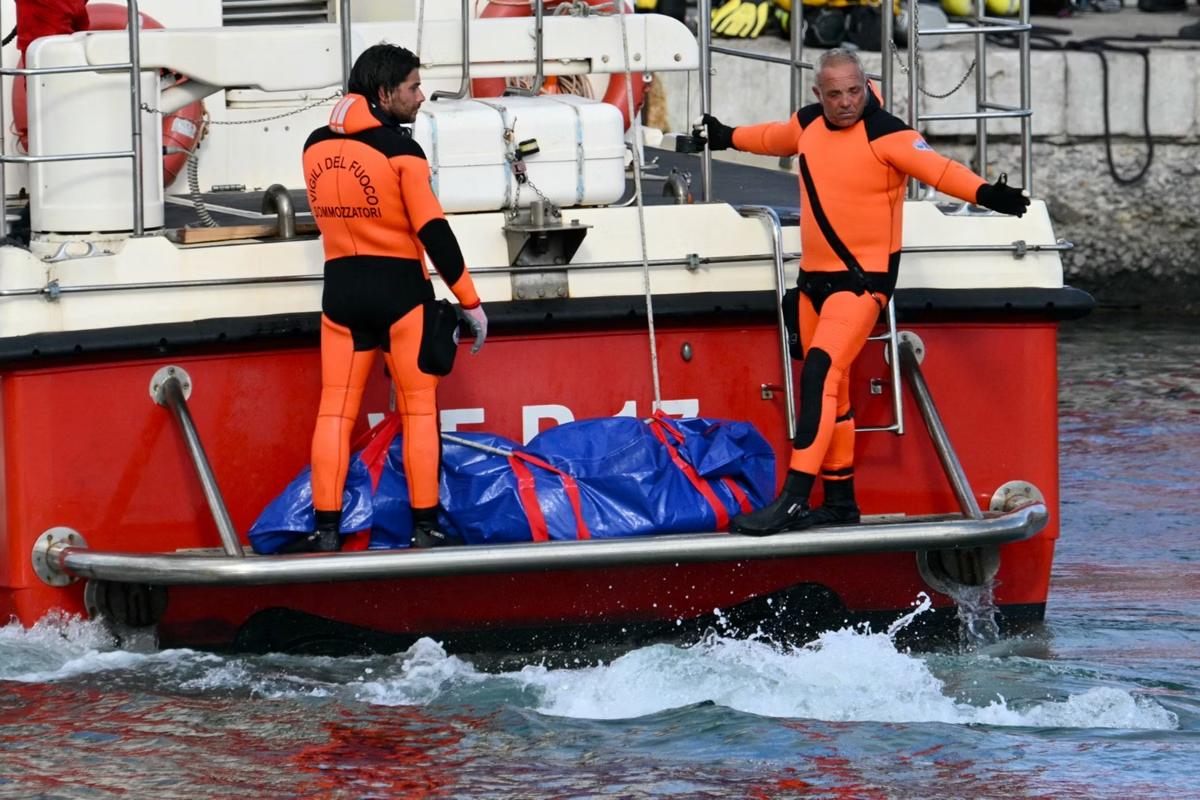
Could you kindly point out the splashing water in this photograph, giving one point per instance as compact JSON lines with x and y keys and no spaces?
{"x":845,"y":675}
{"x":978,"y":616}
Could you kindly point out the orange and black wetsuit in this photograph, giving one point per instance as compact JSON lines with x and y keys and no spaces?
{"x":852,"y":183}
{"x":369,"y":191}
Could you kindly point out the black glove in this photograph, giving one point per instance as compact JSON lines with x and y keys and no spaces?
{"x":720,"y":136}
{"x":999,"y":196}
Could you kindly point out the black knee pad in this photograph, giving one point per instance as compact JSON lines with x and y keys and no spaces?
{"x":812,"y":388}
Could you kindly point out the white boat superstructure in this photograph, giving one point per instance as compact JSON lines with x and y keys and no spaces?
{"x":83,"y":254}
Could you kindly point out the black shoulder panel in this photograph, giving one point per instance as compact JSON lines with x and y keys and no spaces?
{"x":321,"y":134}
{"x":809,"y":114}
{"x":881,"y":123}
{"x":390,"y":142}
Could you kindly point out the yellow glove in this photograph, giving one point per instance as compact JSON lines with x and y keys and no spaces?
{"x":741,"y":19}
{"x":646,"y":5}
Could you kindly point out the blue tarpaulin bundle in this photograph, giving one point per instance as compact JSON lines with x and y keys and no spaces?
{"x":597,"y":478}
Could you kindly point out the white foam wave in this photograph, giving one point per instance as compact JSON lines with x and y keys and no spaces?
{"x":417,"y":678}
{"x":58,"y":640}
{"x":59,"y":647}
{"x":845,"y":675}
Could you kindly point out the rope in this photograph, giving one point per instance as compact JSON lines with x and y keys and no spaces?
{"x":1043,"y":39}
{"x":641,"y":209}
{"x":421,"y":26}
{"x":1098,"y":47}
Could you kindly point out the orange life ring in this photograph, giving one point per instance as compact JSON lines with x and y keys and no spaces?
{"x":180,"y":130}
{"x":614,"y":94}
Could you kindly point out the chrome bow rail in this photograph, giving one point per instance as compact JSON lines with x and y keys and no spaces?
{"x":62,"y":559}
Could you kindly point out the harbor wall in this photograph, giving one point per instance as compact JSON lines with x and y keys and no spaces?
{"x":1136,"y":244}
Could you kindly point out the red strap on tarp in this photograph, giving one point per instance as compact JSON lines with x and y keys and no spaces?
{"x":527,"y":491}
{"x":738,"y":494}
{"x":374,"y":456}
{"x":379,"y":442}
{"x":657,"y":426}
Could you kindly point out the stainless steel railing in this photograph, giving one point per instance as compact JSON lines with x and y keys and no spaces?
{"x":768,"y":216}
{"x":133,"y":67}
{"x":985,"y":109}
{"x":64,"y":560}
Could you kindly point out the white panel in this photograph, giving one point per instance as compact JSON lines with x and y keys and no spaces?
{"x":88,"y":113}
{"x":285,"y":57}
{"x":464,"y":142}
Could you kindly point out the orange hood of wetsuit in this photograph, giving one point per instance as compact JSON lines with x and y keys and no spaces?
{"x":852,"y":181}
{"x":369,"y":191}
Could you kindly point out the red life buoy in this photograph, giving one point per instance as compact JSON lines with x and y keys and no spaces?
{"x":614,"y":94}
{"x":180,"y":130}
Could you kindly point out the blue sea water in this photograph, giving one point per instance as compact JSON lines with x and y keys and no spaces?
{"x":1102,"y":702}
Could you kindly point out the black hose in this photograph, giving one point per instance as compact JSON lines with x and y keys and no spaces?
{"x":11,"y":35}
{"x":1099,"y":46}
{"x":1043,"y":38}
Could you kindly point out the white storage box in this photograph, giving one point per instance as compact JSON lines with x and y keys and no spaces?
{"x":581,"y":159}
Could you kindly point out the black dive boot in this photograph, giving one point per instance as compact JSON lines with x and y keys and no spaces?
{"x":427,"y":533}
{"x":839,"y":507}
{"x":327,"y":538}
{"x":324,"y":540}
{"x":789,"y":512}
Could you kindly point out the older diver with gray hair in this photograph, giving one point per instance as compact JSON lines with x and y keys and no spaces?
{"x":854,"y":161}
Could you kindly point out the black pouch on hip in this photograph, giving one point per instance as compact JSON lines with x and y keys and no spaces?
{"x":791,"y":321}
{"x":439,"y":338}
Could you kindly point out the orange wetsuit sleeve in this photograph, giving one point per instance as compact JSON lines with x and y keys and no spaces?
{"x":427,"y":219}
{"x":908,"y":152}
{"x":769,"y":138}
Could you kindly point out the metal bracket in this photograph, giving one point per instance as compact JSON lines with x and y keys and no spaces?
{"x":918,"y":346}
{"x":161,"y":377}
{"x":63,"y":252}
{"x":1015,"y":494}
{"x":537,"y":237}
{"x":539,"y":285}
{"x":45,"y":564}
{"x":1020,"y":247}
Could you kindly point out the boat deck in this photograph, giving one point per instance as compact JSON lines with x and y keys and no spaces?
{"x":735,"y":183}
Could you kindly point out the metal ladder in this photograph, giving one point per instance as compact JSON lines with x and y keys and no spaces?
{"x":133,"y":67}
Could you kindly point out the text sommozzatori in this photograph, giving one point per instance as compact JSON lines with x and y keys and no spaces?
{"x":368,"y":208}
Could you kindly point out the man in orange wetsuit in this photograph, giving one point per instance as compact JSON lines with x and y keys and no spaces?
{"x":369,"y":189}
{"x":854,"y":159}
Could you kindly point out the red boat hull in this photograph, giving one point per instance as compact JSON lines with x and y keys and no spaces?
{"x":86,"y":447}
